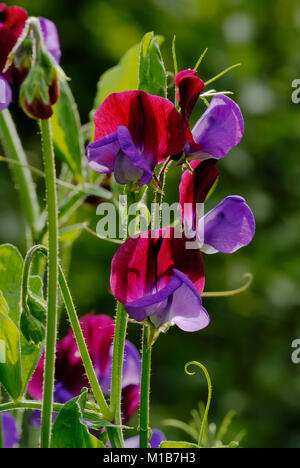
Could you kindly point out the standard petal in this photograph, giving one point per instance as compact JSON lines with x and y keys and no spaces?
{"x":228,"y":227}
{"x":156,"y":127}
{"x":10,"y":431}
{"x":102,"y":153}
{"x":189,"y":89}
{"x":15,"y":18}
{"x":145,"y":264}
{"x":220,"y":129}
{"x":51,"y":38}
{"x":178,"y":303}
{"x":7,"y":41}
{"x":194,"y":189}
{"x":5,"y":94}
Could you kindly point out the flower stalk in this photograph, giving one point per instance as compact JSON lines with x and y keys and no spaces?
{"x":145,"y":390}
{"x":117,"y":372}
{"x":53,"y":258}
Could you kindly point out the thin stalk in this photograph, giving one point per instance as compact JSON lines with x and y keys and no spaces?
{"x":52,"y":295}
{"x":87,"y":362}
{"x":145,"y":392}
{"x":117,"y":371}
{"x":89,"y":413}
{"x":14,"y":150}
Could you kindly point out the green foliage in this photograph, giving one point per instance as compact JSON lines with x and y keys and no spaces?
{"x":174,"y":445}
{"x":68,"y":429}
{"x":10,"y":364}
{"x":152,"y":72}
{"x":123,"y":77}
{"x":67,"y":131}
{"x":23,"y":355}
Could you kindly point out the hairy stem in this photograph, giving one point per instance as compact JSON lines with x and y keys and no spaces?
{"x":52,"y":294}
{"x":145,"y":391}
{"x":117,"y":372}
{"x":86,"y":359}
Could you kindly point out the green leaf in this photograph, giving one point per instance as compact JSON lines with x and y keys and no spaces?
{"x":68,"y":429}
{"x":67,"y":131}
{"x":11,"y":267}
{"x":10,"y":364}
{"x":11,"y":264}
{"x":152,"y":72}
{"x":171,"y":444}
{"x":123,"y":77}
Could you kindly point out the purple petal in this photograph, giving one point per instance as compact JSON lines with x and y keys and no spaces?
{"x":157,"y":438}
{"x":131,"y":368}
{"x":102,"y":153}
{"x":10,"y":431}
{"x":130,"y":163}
{"x":220,"y":128}
{"x":5,"y":94}
{"x":228,"y":227}
{"x":178,"y":303}
{"x":51,"y":38}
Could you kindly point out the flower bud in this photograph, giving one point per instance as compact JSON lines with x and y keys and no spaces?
{"x":40,"y":90}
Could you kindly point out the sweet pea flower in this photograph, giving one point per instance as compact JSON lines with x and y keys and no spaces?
{"x":156,"y":439}
{"x":227,"y":227}
{"x":156,"y":277}
{"x":219,"y":129}
{"x":134,"y":131}
{"x":10,"y":431}
{"x":70,"y":375}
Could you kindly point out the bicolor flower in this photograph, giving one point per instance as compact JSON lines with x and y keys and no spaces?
{"x":5,"y":94}
{"x":10,"y":431}
{"x":156,"y":277}
{"x":227,"y":227}
{"x":134,"y":131}
{"x":70,"y":376}
{"x":219,"y":129}
{"x":156,"y":439}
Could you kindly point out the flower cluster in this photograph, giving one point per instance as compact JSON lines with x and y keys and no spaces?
{"x":154,"y":274}
{"x":12,"y":24}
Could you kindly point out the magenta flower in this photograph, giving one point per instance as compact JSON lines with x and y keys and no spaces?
{"x":155,"y":276}
{"x":10,"y":431}
{"x":227,"y":227}
{"x":219,"y":129}
{"x":157,"y":438}
{"x":70,"y":376}
{"x":134,"y":132}
{"x":5,"y":94}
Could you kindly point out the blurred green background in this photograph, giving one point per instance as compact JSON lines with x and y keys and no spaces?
{"x":247,"y":347}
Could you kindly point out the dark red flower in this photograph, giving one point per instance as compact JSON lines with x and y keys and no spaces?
{"x":12,"y":22}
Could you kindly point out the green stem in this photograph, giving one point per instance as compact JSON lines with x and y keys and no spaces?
{"x":49,"y":163}
{"x":87,"y":362}
{"x":145,"y":391}
{"x":117,"y":372}
{"x":14,"y":150}
{"x":89,"y":413}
